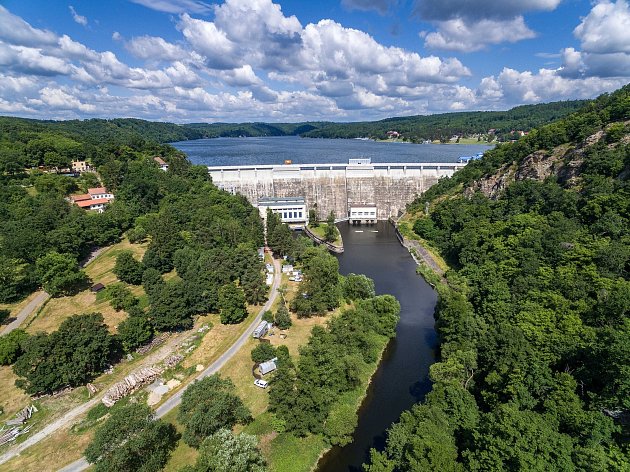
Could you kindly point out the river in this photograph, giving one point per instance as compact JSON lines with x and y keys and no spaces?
{"x":275,"y":150}
{"x":402,"y":377}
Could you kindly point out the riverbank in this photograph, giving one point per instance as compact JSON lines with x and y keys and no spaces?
{"x":317,"y":234}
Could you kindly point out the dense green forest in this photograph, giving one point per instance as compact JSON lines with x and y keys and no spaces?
{"x":91,"y":134}
{"x":534,"y":372}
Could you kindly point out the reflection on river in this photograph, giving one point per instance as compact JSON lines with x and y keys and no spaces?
{"x":402,"y":377}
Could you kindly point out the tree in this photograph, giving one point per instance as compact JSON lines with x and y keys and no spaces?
{"x":131,"y":439}
{"x":320,"y":289}
{"x":71,"y":356}
{"x":121,"y":297}
{"x":60,"y":273}
{"x":170,"y":310}
{"x":280,"y":240}
{"x":127,"y":269}
{"x":232,"y":304}
{"x":134,"y":332}
{"x":283,"y":318}
{"x":312,"y":218}
{"x":209,"y":405}
{"x":12,"y":346}
{"x":254,"y":287}
{"x":263,"y":352}
{"x":330,"y":234}
{"x":356,"y":287}
{"x":152,"y":282}
{"x":225,"y":451}
{"x":14,"y":278}
{"x":282,"y":391}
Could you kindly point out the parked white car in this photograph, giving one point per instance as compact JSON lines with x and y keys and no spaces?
{"x":261,"y":383}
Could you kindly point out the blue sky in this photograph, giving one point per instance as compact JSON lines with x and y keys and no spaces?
{"x":296,"y":60}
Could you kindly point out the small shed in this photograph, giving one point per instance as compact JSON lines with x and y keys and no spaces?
{"x":268,"y":366}
{"x":97,"y":287}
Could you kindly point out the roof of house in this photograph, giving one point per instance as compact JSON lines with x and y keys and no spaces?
{"x":97,"y":190}
{"x":89,"y":203}
{"x":80,"y":197}
{"x":97,"y":287}
{"x":160,"y":161}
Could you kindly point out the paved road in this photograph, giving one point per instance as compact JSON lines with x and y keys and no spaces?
{"x":42,"y":297}
{"x":25,"y":312}
{"x":176,"y":399}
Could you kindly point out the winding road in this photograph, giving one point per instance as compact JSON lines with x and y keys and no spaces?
{"x":176,"y":399}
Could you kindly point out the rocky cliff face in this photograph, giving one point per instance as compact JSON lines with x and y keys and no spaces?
{"x":564,"y":162}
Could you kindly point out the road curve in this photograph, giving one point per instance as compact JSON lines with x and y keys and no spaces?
{"x":172,"y":402}
{"x":42,"y":297}
{"x":25,"y":312}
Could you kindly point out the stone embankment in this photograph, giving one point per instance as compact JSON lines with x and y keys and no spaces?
{"x":419,"y":252}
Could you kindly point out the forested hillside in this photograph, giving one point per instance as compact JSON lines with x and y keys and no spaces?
{"x":534,"y":373}
{"x":443,"y":126}
{"x":131,"y":131}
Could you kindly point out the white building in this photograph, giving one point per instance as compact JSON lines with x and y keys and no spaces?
{"x":365,"y":213}
{"x":160,"y":162}
{"x":292,"y":210}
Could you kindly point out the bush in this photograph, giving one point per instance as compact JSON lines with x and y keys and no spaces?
{"x":268,"y":316}
{"x":263,"y":352}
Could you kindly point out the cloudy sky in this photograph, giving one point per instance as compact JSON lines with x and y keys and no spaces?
{"x":296,"y":60}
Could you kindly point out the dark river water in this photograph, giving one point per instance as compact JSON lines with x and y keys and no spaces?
{"x":275,"y":150}
{"x":402,"y":377}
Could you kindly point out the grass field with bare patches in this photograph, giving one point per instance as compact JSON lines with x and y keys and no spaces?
{"x":56,"y":310}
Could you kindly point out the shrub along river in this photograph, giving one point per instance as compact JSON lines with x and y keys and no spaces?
{"x":402,"y":376}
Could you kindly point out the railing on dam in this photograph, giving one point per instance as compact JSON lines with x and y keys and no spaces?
{"x":343,"y":166}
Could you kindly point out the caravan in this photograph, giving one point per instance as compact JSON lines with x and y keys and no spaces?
{"x":261,"y":329}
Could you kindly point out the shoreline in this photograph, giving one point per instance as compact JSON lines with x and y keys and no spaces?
{"x":359,"y":404}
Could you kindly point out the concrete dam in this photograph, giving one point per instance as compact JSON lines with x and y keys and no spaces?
{"x":387,"y":187}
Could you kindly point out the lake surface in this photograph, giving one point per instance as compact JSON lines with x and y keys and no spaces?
{"x":402,"y":376}
{"x":275,"y":150}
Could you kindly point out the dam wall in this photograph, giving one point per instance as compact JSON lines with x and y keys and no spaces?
{"x":336,"y":187}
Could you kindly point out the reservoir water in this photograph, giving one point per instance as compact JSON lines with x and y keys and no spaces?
{"x":402,"y":377}
{"x":275,"y":150}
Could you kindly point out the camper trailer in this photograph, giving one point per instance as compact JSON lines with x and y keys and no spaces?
{"x":261,"y":329}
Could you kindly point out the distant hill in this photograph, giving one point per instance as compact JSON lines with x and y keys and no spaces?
{"x":443,"y":126}
{"x":412,"y":128}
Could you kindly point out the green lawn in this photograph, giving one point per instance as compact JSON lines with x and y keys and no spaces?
{"x":320,"y":231}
